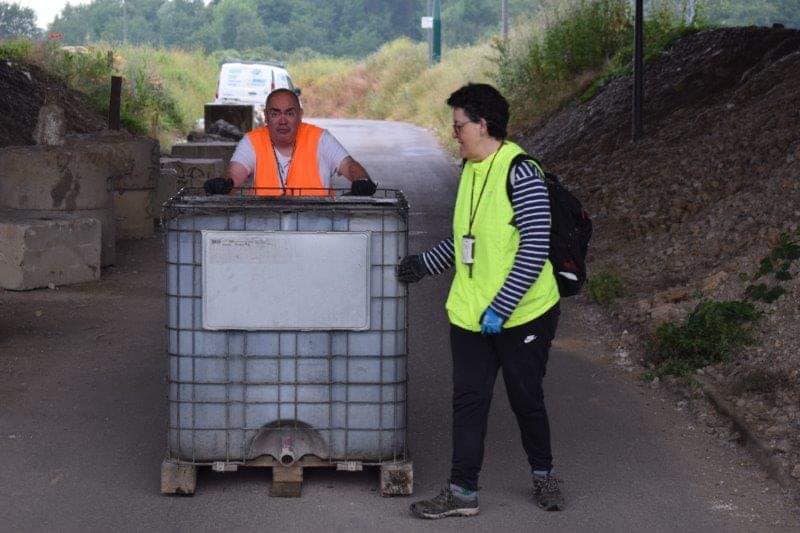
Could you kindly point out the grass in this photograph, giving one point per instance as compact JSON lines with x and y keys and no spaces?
{"x":780,"y":264}
{"x":394,"y":83}
{"x":715,"y":330}
{"x":169,"y":87}
{"x":710,"y":334}
{"x":604,"y":288}
{"x":580,"y":49}
{"x":163,"y":91}
{"x":16,"y":49}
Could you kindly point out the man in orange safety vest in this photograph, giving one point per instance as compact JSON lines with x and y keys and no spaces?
{"x":290,"y":157}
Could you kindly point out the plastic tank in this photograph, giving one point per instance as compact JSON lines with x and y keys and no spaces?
{"x":286,"y":328}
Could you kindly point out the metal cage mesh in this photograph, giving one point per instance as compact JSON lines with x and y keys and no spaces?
{"x":235,"y":396}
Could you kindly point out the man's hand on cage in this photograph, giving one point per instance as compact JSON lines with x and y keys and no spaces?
{"x":411,"y":269}
{"x":218,"y":186}
{"x":363,"y":187}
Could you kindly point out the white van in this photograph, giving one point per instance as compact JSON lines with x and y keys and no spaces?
{"x":246,"y":83}
{"x":249,"y":82}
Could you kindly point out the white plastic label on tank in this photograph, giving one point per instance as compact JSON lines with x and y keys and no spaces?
{"x":286,"y":280}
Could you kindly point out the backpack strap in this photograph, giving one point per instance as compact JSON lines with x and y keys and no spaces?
{"x":514,"y":162}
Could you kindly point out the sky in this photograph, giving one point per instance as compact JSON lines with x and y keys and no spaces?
{"x":46,"y":10}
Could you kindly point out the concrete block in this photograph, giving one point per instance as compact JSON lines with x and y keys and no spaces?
{"x":106,"y":217}
{"x":54,"y":177}
{"x":210,"y":150}
{"x":51,"y":126}
{"x":134,"y":213}
{"x":178,"y":173}
{"x":37,"y":252}
{"x":133,"y":161}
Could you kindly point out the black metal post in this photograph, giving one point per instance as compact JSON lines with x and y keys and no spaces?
{"x":114,"y":104}
{"x":638,"y":71}
{"x":504,"y":19}
{"x":436,"y":54}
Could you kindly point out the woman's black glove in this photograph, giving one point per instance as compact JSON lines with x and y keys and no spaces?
{"x":218,"y":186}
{"x":363,"y":187}
{"x":411,"y":269}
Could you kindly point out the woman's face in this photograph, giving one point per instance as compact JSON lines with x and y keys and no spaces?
{"x":468,"y":134}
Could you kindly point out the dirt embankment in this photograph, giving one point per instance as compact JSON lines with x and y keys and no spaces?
{"x":24,"y":88}
{"x":688,"y":212}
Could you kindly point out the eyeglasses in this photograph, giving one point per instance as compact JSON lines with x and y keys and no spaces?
{"x":458,"y":127}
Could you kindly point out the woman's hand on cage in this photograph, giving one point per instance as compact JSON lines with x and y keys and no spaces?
{"x":411,"y":269}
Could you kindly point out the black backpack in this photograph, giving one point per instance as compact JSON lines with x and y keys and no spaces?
{"x":570,"y":231}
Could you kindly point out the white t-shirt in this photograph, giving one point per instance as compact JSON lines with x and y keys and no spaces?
{"x":330,"y":154}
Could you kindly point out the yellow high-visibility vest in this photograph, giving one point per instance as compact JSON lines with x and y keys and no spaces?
{"x":496,"y":244}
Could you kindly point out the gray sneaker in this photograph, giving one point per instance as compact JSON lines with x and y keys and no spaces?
{"x":547,"y":494}
{"x":445,"y":504}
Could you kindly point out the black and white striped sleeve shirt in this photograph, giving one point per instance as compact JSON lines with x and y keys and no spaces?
{"x":531,"y":207}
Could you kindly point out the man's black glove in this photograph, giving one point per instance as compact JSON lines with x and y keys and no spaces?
{"x":218,"y":186}
{"x":363,"y":187}
{"x":411,"y":269}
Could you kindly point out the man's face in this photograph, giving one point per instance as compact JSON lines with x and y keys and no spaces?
{"x":283,"y":118}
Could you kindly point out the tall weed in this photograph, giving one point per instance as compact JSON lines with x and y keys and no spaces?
{"x":168,"y":88}
{"x":538,"y":70}
{"x":394,"y":83}
{"x":163,"y":92}
{"x":577,"y":49}
{"x":16,"y":49}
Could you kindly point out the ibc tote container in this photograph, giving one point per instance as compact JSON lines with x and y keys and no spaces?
{"x":287,"y":342}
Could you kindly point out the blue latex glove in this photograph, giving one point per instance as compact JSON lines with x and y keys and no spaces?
{"x":491,"y":323}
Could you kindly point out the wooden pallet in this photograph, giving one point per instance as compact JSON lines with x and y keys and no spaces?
{"x":396,"y":477}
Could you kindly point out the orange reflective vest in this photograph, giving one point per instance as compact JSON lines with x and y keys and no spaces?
{"x":303,"y":177}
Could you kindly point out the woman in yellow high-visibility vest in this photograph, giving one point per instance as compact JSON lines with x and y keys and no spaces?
{"x":503,"y":303}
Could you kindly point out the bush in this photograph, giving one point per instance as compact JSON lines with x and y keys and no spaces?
{"x":168,"y":87}
{"x":538,"y":71}
{"x":709,"y":335}
{"x":580,"y":51}
{"x":16,"y":49}
{"x":604,"y":288}
{"x":779,"y":262}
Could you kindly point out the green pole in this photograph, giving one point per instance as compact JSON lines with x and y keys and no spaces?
{"x":436,"y":53}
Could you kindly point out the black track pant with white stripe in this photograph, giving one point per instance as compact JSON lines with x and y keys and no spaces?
{"x":522,"y":353}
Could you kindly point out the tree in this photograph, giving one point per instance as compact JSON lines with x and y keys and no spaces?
{"x":237,"y":24}
{"x":87,"y":23}
{"x":332,"y":27}
{"x":178,"y":21}
{"x":17,"y":21}
{"x":467,"y":22}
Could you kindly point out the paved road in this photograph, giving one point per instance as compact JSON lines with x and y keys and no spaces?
{"x":83,"y":425}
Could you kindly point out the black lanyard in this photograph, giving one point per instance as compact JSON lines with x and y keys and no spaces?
{"x":283,"y":180}
{"x":473,"y":213}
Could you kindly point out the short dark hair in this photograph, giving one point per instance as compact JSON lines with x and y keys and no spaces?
{"x":482,"y":101}
{"x":282,"y":90}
